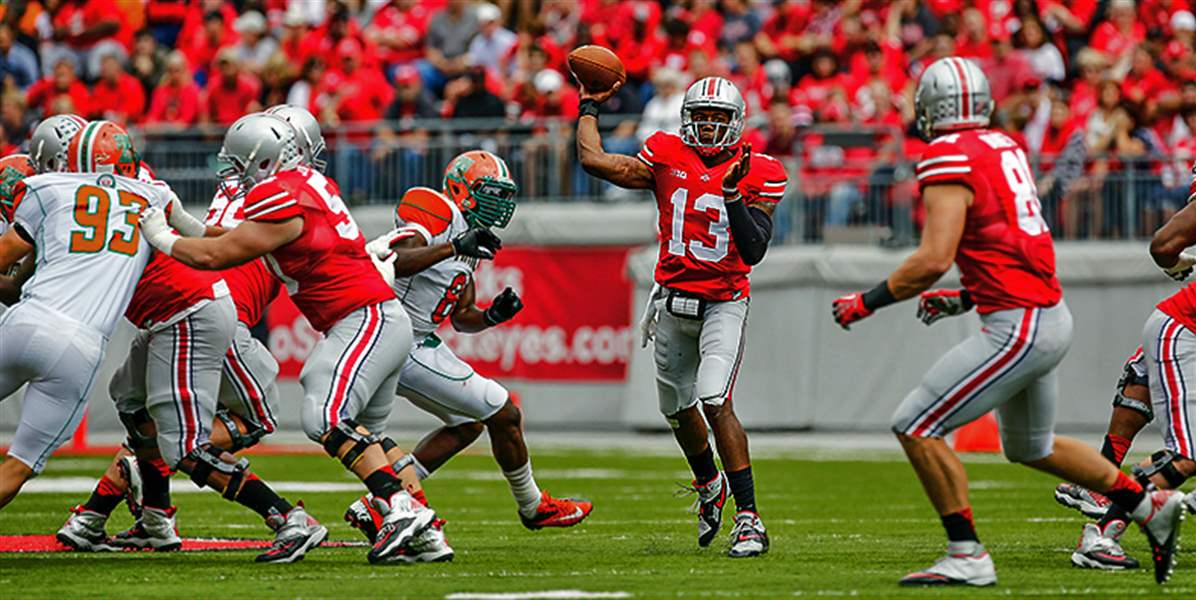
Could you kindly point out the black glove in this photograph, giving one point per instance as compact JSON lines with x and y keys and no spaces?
{"x":477,"y":243}
{"x":504,"y":308}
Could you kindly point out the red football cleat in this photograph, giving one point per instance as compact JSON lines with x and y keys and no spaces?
{"x":557,"y":512}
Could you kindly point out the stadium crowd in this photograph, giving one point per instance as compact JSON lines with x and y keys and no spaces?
{"x":1091,"y":87}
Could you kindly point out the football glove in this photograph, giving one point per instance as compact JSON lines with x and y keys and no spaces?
{"x":938,"y":304}
{"x":183,"y":222}
{"x":477,"y":243}
{"x":380,"y":247}
{"x":648,"y":320}
{"x":1182,"y":267}
{"x":504,"y":307}
{"x":849,"y":309}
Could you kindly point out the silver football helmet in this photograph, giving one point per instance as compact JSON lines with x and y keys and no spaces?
{"x":257,"y":146}
{"x":952,"y":94}
{"x":307,"y":132}
{"x":712,"y":92}
{"x":48,"y":144}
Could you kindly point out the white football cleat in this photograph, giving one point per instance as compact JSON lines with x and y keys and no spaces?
{"x":748,"y":537}
{"x":1088,"y":502}
{"x":966,"y":563}
{"x":156,"y":530}
{"x":1095,"y":551}
{"x":1159,"y":516}
{"x":84,"y":531}
{"x":294,"y":535}
{"x":428,"y":546}
{"x":403,"y":518}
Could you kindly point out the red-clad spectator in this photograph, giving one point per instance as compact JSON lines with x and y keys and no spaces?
{"x":339,"y":25}
{"x":231,"y":91}
{"x":1121,"y":33}
{"x":749,"y":77}
{"x":87,"y":30}
{"x":876,"y":62}
{"x":786,"y":34}
{"x":972,"y":41}
{"x":679,"y":41}
{"x":1084,"y":91}
{"x":398,"y":30}
{"x":1145,"y":84}
{"x":823,"y":86}
{"x":175,"y":101}
{"x":47,"y":93}
{"x":165,"y":18}
{"x":1007,"y":68}
{"x":782,"y":130}
{"x":1060,"y":130}
{"x":639,"y":47}
{"x":620,"y":19}
{"x":705,"y":18}
{"x":195,"y":22}
{"x":554,"y":98}
{"x":1179,"y":55}
{"x":296,"y":40}
{"x":116,"y":96}
{"x":201,"y":48}
{"x":351,"y":92}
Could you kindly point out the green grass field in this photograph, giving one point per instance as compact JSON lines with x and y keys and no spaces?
{"x":839,"y":527}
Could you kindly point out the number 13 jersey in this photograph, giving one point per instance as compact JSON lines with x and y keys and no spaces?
{"x":1006,"y":258}
{"x":326,"y":270}
{"x":90,"y":254}
{"x":431,"y":295}
{"x":697,"y":253}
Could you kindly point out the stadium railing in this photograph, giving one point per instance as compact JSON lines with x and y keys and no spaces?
{"x":847,"y":184}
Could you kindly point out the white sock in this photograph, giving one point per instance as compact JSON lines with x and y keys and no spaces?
{"x":524,"y":488}
{"x":421,"y":471}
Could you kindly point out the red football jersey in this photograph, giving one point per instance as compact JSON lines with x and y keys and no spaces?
{"x":1006,"y":258}
{"x":697,"y":253}
{"x":1181,"y":306}
{"x":252,"y":285}
{"x":325,"y":269}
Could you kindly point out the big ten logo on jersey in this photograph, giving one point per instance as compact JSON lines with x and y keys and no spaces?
{"x":95,"y":229}
{"x":1018,"y":176}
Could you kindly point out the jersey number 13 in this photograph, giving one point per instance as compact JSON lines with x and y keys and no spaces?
{"x":718,"y":227}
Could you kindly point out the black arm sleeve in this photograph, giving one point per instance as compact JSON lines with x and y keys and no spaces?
{"x":21,"y":232}
{"x":752,"y":230}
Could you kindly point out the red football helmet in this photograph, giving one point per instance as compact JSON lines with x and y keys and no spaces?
{"x":13,"y":170}
{"x":103,"y":147}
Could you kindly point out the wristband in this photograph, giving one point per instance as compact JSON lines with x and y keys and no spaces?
{"x":879,"y":297}
{"x":731,"y":195}
{"x":965,"y":300}
{"x":587,"y":107}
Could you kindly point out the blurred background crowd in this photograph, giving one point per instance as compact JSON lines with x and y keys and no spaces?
{"x":1102,"y":93}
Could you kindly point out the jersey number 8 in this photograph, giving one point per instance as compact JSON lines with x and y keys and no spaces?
{"x":452,"y":295}
{"x":92,"y":204}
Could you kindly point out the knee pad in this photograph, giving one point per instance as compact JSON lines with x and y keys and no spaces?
{"x":133,"y":422}
{"x":1162,"y":463}
{"x":343,"y":432}
{"x":240,"y":441}
{"x":206,"y":461}
{"x":1138,"y":406}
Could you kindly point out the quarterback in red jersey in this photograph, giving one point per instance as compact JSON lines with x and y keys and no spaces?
{"x":715,"y":199}
{"x":983,"y":214}
{"x":295,"y":218}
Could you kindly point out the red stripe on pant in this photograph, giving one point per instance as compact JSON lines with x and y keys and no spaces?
{"x":255,"y":394}
{"x":182,"y":370}
{"x":357,"y":354}
{"x":993,"y":371}
{"x":1175,"y":392}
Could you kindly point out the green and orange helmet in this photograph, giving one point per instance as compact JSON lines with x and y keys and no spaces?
{"x":480,"y":184}
{"x":103,"y":147}
{"x":14,"y":168}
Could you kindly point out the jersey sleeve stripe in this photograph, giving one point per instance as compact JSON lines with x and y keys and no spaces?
{"x":645,"y":159}
{"x":780,"y":183}
{"x":944,"y":171}
{"x":268,"y":199}
{"x":930,"y":162}
{"x":772,"y":194}
{"x":648,"y":151}
{"x":263,"y":211}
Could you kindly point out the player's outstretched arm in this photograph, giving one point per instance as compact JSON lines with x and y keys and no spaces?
{"x":946,"y":214}
{"x":1169,"y":242}
{"x":245,"y":242}
{"x":619,"y":169}
{"x":468,"y":318}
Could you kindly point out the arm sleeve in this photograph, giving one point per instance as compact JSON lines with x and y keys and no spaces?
{"x":752,"y":230}
{"x":271,"y":203}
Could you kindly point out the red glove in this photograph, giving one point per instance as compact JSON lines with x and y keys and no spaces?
{"x":937,"y":304}
{"x":849,"y":309}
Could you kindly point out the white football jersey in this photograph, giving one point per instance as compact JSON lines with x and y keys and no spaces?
{"x":90,"y":253}
{"x":431,"y":295}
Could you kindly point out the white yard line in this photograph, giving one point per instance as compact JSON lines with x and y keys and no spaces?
{"x":547,"y":594}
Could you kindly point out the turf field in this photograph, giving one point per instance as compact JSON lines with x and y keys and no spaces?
{"x":840,"y":526}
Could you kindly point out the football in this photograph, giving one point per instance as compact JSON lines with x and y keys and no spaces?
{"x":596,"y":68}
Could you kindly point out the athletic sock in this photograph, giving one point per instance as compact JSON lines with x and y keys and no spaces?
{"x":1126,"y":493}
{"x":259,"y":498}
{"x":420,"y":497}
{"x":105,"y":497}
{"x":743,"y":488}
{"x":524,"y":489}
{"x":702,"y":464}
{"x":960,"y":526}
{"x":155,"y":483}
{"x":1115,"y":448}
{"x":384,"y":483}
